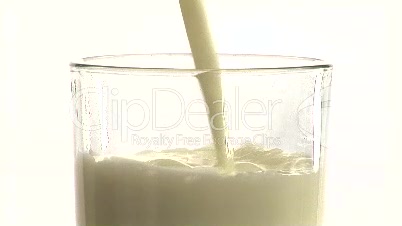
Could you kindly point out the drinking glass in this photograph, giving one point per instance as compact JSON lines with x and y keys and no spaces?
{"x":145,"y":154}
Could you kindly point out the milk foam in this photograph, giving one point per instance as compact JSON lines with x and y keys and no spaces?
{"x":249,"y":158}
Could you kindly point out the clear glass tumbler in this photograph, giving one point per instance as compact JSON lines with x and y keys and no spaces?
{"x":145,"y":153}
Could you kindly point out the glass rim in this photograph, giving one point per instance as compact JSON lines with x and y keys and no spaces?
{"x":89,"y":63}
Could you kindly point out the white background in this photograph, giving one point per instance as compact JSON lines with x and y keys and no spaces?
{"x":362,"y":39}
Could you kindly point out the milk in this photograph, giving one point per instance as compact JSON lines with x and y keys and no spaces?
{"x":210,"y":84}
{"x":183,"y":187}
{"x":204,"y":56}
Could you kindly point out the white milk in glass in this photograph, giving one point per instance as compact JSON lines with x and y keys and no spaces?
{"x":182,"y":187}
